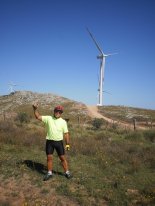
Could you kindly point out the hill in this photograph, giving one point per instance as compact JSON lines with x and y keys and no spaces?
{"x":21,"y":101}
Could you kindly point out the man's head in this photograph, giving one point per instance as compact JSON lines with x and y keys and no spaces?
{"x":58,"y":110}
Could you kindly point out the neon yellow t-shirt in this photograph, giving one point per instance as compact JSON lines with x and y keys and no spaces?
{"x":55,"y":127}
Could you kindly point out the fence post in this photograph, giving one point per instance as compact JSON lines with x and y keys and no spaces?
{"x":134,"y":124}
{"x":78,"y":120}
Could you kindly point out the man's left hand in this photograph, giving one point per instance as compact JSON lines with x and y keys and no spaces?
{"x":67,"y":147}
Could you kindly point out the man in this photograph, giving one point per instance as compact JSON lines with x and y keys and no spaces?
{"x":56,"y":130}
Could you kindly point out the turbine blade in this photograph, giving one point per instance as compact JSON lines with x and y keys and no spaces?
{"x":110,"y":54}
{"x":94,"y":41}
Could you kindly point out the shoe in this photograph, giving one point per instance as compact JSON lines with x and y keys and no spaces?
{"x":68,"y":175}
{"x":47,"y":177}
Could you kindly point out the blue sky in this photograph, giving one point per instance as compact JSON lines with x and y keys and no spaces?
{"x":44,"y":47}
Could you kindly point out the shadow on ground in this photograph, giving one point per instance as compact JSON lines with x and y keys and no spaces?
{"x":38,"y":167}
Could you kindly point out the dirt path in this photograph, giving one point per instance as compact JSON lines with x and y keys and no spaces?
{"x":93,"y":112}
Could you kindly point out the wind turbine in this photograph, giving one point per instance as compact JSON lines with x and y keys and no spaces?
{"x":102,"y":58}
{"x":11,"y":87}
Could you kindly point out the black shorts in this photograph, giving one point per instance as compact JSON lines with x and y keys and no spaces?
{"x":57,"y":145}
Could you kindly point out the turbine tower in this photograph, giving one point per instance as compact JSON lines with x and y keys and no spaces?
{"x":102,"y":58}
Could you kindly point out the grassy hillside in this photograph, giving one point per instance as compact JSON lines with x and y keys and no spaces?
{"x":109,"y":166}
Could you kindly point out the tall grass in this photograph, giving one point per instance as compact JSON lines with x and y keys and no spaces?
{"x":21,"y":135}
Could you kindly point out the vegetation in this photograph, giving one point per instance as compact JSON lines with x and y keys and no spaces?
{"x":110,"y":166}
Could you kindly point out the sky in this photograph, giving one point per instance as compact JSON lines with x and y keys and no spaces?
{"x":45,"y":48}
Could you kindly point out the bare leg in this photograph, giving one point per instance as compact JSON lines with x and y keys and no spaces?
{"x":64,"y":162}
{"x":49,"y":162}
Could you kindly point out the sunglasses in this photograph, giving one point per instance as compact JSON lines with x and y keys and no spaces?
{"x":58,"y":111}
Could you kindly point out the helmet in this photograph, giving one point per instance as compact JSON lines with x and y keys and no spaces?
{"x":58,"y":108}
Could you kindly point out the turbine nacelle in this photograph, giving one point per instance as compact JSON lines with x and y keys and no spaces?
{"x":100,"y":56}
{"x":105,"y":55}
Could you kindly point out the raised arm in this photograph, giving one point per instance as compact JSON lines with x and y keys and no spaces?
{"x":36,"y":113}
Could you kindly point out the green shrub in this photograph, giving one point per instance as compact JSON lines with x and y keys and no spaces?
{"x":97,"y":123}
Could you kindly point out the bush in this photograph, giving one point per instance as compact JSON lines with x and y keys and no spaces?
{"x":97,"y":123}
{"x":23,"y":117}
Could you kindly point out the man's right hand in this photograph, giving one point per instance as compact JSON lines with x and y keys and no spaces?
{"x":35,"y":105}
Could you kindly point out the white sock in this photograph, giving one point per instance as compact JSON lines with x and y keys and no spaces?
{"x":67,"y":172}
{"x":50,"y":172}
